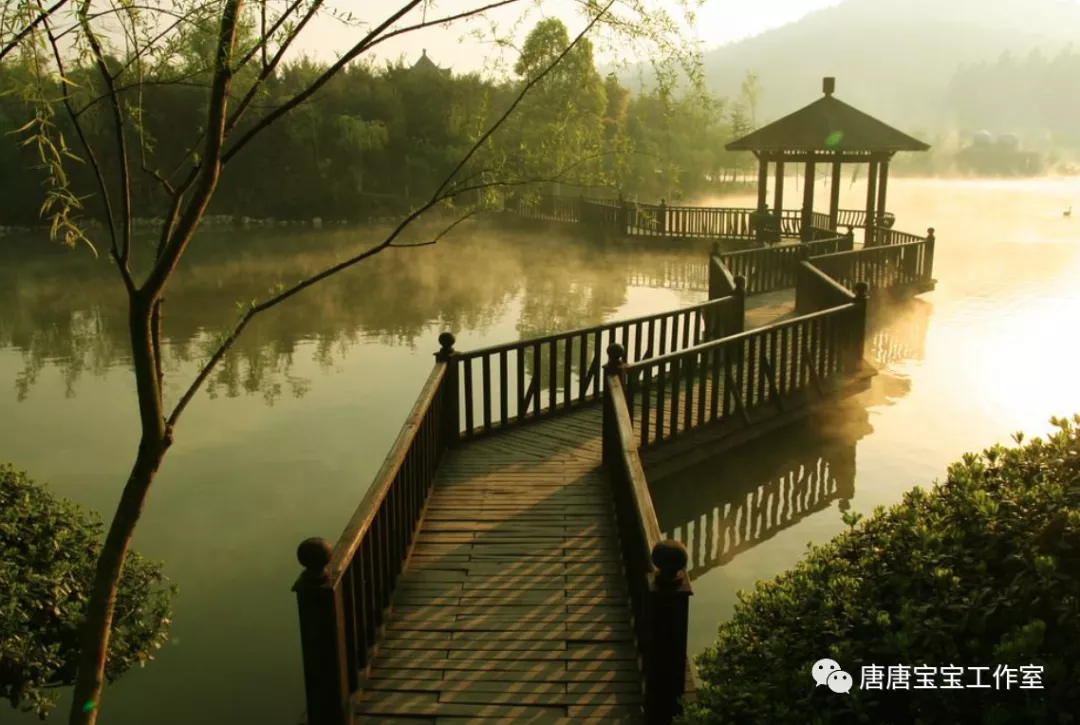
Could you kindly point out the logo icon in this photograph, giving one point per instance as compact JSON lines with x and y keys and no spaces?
{"x":828,"y":672}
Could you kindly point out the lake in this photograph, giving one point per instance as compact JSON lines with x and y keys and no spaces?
{"x":285,"y":440}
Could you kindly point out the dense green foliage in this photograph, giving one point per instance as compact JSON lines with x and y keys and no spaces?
{"x":48,"y":551}
{"x":982,"y":570}
{"x":374,"y":138}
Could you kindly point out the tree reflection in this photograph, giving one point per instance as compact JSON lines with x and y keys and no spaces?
{"x":61,"y":308}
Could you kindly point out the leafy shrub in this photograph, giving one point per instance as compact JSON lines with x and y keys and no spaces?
{"x":48,"y":553}
{"x":982,"y":570}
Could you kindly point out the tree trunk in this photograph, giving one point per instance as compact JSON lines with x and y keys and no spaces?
{"x":97,"y":625}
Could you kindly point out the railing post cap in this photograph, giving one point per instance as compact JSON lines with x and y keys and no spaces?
{"x":716,"y":248}
{"x":670,"y":557}
{"x":314,"y":555}
{"x":446,"y":345}
{"x":861,"y":290}
{"x":930,"y":232}
{"x":615,"y":357}
{"x":740,"y":283}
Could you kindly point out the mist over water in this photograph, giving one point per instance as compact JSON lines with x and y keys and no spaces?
{"x":286,"y":441}
{"x":991,"y":351}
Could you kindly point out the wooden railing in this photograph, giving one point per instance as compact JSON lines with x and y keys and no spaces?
{"x":882,"y":267}
{"x":527,"y":379}
{"x":769,"y":269}
{"x":857,"y":218}
{"x":816,"y":291}
{"x":887,"y":237}
{"x":733,"y":376}
{"x":655,"y":569}
{"x":821,"y":221}
{"x":345,"y":588}
{"x":632,"y":218}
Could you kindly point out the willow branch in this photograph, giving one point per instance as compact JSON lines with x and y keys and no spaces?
{"x":91,"y":157}
{"x":118,"y":127}
{"x":42,"y":17}
{"x":437,"y":197}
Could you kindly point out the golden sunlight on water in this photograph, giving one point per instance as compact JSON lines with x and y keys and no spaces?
{"x":991,"y":351}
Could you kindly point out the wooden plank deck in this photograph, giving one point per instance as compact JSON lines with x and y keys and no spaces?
{"x":513,"y":607}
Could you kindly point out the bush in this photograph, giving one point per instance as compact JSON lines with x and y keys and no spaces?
{"x":48,"y":553}
{"x":981,"y":571}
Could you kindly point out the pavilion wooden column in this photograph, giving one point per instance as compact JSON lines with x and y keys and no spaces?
{"x":883,"y":183}
{"x":762,"y":193}
{"x":871,"y":197}
{"x":808,"y":201}
{"x":778,"y":192}
{"x":834,"y":195}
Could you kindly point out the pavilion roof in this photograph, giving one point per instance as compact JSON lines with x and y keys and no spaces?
{"x":828,"y":125}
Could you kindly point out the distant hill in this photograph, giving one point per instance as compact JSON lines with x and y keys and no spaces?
{"x":892,"y":58}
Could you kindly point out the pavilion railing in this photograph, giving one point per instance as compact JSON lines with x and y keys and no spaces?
{"x":655,"y":569}
{"x":881,"y":267}
{"x":857,"y":218}
{"x":635,"y":218}
{"x":769,"y":269}
{"x":730,"y":378}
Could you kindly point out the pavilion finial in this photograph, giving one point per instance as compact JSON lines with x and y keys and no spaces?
{"x":828,"y":85}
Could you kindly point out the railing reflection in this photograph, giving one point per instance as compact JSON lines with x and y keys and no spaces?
{"x":737,"y":500}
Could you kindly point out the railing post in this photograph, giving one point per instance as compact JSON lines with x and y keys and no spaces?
{"x":714,"y":272}
{"x":661,"y":218}
{"x":669,"y":618}
{"x":928,"y":273}
{"x":322,"y":637}
{"x":738,"y":310}
{"x":858,"y":332}
{"x":451,"y":402}
{"x":849,"y":240}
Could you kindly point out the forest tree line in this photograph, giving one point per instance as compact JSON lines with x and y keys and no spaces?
{"x":375,"y":135}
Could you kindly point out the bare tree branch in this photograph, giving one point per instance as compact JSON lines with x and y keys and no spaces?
{"x":437,"y":197}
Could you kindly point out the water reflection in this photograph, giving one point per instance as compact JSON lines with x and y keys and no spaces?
{"x":723,"y":507}
{"x":62,"y":308}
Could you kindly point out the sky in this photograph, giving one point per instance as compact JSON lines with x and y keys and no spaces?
{"x":717,"y":22}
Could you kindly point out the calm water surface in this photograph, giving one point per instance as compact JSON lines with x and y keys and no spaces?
{"x":288,"y":436}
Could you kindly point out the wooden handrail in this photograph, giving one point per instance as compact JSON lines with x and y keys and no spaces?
{"x":815,"y":290}
{"x":345,"y":589}
{"x":525,"y":380}
{"x":604,"y":327}
{"x":731,"y":377}
{"x":655,"y":569}
{"x":384,"y":479}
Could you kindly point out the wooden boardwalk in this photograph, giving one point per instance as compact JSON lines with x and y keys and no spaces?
{"x":513,"y":606}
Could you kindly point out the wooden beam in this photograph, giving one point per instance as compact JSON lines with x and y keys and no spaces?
{"x":808,"y":201}
{"x":834,"y":194}
{"x":778,"y":198}
{"x":871,"y":197}
{"x":762,"y":183}
{"x":883,"y":183}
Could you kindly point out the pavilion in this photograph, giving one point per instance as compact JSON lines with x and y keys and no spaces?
{"x":827,"y":130}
